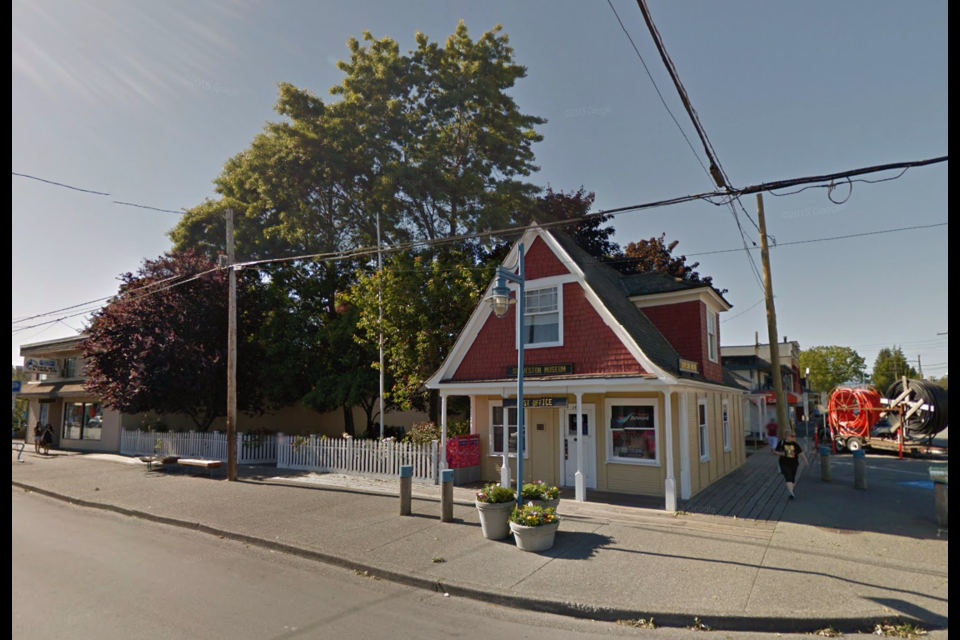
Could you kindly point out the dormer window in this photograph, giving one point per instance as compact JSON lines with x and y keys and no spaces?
{"x":542,"y":318}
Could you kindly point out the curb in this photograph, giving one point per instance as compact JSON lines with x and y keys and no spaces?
{"x":716,"y":622}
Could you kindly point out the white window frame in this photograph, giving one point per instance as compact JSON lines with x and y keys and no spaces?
{"x":703,"y":429}
{"x":506,"y":413}
{"x":539,"y":286}
{"x":725,"y":418}
{"x":713,"y":344}
{"x":640,"y":402}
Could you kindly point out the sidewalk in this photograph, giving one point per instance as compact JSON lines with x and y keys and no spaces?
{"x":609,"y":562}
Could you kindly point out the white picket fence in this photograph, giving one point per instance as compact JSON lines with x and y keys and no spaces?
{"x":374,"y":458}
{"x":209,"y":446}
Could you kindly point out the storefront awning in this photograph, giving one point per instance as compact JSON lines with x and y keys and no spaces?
{"x":771,"y":397}
{"x":54,"y":390}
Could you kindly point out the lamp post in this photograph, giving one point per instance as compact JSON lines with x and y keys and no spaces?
{"x":500,"y":301}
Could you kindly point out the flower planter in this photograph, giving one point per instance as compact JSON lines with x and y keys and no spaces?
{"x":534,"y":538}
{"x":546,"y":504}
{"x":495,"y":518}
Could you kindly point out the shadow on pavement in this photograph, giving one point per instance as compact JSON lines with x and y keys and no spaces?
{"x":898,"y":500}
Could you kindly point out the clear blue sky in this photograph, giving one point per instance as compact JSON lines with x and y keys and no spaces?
{"x":146,"y":101}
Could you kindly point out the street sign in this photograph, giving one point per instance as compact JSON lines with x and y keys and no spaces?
{"x":17,"y":385}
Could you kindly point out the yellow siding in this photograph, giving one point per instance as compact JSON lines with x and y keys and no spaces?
{"x":628,"y":478}
{"x":544,"y":460}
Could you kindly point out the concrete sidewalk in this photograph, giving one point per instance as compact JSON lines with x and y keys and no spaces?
{"x":608,"y":562}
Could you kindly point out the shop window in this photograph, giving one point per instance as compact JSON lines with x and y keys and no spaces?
{"x":82,"y":421}
{"x":632,"y":431}
{"x":497,"y":415}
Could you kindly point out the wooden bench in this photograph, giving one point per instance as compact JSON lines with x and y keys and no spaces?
{"x":209,"y":465}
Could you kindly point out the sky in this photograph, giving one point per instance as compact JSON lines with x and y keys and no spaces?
{"x":146,"y":102}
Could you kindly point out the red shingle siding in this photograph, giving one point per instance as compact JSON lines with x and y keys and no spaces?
{"x":588,"y":343}
{"x":684,"y":325}
{"x":541,"y":262}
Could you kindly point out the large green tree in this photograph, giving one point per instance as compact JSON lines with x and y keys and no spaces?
{"x":890,"y":365}
{"x":427,"y":298}
{"x":831,"y":366}
{"x":431,"y":140}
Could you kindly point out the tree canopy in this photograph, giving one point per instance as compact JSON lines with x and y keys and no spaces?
{"x":889,"y":366}
{"x":831,"y":366}
{"x":161,"y":344}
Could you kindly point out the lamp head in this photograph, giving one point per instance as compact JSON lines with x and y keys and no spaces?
{"x":500,"y":298}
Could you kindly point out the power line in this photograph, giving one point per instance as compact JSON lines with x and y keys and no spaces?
{"x":853,"y":235}
{"x":59,"y":184}
{"x":97,"y":193}
{"x":751,"y":307}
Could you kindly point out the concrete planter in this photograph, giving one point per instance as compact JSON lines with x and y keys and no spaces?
{"x":534,"y":538}
{"x":495,"y":518}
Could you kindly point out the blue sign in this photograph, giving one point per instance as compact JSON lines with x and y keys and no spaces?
{"x":17,"y":386}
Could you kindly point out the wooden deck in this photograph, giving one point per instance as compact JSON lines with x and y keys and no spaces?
{"x":755,"y":491}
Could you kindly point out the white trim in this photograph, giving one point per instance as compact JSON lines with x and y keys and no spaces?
{"x":685,"y":479}
{"x":725,"y":423}
{"x":713,"y":319}
{"x":605,"y":314}
{"x":589,"y":461}
{"x":535,"y":286}
{"x":608,"y":436}
{"x":491,"y":440}
{"x":703,"y":430}
{"x":704,"y":294}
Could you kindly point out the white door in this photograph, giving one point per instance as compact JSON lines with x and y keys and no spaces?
{"x":568,"y":446}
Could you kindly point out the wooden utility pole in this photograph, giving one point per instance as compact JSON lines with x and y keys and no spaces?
{"x":231,"y":358}
{"x":782,"y":423}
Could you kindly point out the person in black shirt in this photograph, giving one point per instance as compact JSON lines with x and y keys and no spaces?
{"x":791,"y":454}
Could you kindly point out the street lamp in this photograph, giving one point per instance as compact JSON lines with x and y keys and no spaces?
{"x":500,"y":302}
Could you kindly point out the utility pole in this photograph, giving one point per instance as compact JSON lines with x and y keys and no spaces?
{"x":919,"y":367}
{"x":380,"y":302}
{"x":231,"y":358}
{"x":782,"y":422}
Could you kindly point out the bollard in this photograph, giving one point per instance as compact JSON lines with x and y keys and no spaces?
{"x":938,"y":473}
{"x":825,"y":464}
{"x":446,"y":495}
{"x":859,"y":469}
{"x":406,"y":489}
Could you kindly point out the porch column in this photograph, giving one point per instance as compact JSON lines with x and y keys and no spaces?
{"x":580,"y":482}
{"x":670,"y":484}
{"x":473,"y":415}
{"x":685,"y":479}
{"x":505,"y":465}
{"x":443,"y":431}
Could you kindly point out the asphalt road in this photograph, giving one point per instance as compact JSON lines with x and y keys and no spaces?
{"x":91,"y":575}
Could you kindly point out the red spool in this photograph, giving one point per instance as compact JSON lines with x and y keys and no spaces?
{"x":853,"y":412}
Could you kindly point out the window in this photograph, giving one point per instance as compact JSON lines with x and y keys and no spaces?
{"x":497,"y":413}
{"x":71,"y":367}
{"x":82,"y":420}
{"x":632,"y":431}
{"x":726,"y":425}
{"x":541,"y":318}
{"x":704,"y":430}
{"x":711,"y":336}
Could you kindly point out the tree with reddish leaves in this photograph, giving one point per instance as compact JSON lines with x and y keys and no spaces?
{"x":160,"y":345}
{"x":656,"y":254}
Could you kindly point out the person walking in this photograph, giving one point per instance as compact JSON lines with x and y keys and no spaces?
{"x":46,"y":440}
{"x":791,"y":454}
{"x":772,"y":434}
{"x":37,"y":436}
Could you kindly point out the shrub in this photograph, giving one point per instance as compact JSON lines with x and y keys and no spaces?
{"x":423,"y":433}
{"x":458,"y":427}
{"x":534,"y":516}
{"x":496,"y":494}
{"x":540,"y":491}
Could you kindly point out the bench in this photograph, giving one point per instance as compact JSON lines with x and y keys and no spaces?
{"x":158,"y":461}
{"x":209,"y":465}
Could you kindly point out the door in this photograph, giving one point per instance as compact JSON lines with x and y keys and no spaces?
{"x":568,"y":446}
